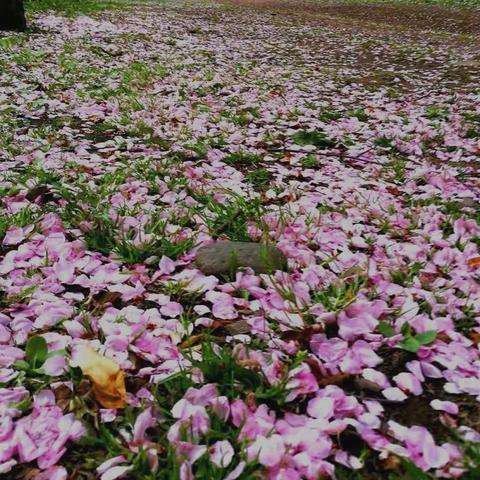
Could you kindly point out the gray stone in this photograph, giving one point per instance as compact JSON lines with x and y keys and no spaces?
{"x":225,"y":257}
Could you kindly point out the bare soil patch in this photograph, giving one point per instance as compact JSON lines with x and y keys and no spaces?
{"x":410,"y":16}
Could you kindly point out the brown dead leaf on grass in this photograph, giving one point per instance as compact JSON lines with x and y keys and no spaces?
{"x":107,"y":376}
{"x":474,"y":262}
{"x":103,"y":298}
{"x":326,"y":379}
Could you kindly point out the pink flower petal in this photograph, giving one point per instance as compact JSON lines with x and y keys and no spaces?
{"x":445,"y":406}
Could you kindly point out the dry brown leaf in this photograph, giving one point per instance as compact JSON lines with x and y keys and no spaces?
{"x":238,"y":327}
{"x":391,"y":463}
{"x":63,"y":395}
{"x":249,"y":364}
{"x":364,"y":384}
{"x":36,"y":192}
{"x":473,"y":262}
{"x":303,"y":336}
{"x":27,"y":473}
{"x":103,"y":298}
{"x":191,"y":341}
{"x":107,"y":377}
{"x":475,"y":338}
{"x":443,"y":337}
{"x":324,"y":380}
{"x":85,"y":169}
{"x":393,"y":191}
{"x":336,"y":379}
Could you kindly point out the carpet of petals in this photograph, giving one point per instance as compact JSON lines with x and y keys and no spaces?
{"x":130,"y":138}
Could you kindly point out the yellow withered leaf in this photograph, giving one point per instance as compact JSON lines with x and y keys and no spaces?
{"x":107,"y":377}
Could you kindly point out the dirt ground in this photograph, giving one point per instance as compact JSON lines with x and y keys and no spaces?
{"x":410,"y":16}
{"x":389,"y":46}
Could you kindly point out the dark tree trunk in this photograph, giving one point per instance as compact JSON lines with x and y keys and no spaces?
{"x":12,"y":15}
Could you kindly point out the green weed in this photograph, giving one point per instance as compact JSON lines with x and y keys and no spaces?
{"x":337,"y":297}
{"x":319,"y":139}
{"x":243,"y":158}
{"x":24,"y":217}
{"x":72,"y":7}
{"x":310,"y":161}
{"x":260,"y":178}
{"x":229,"y":219}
